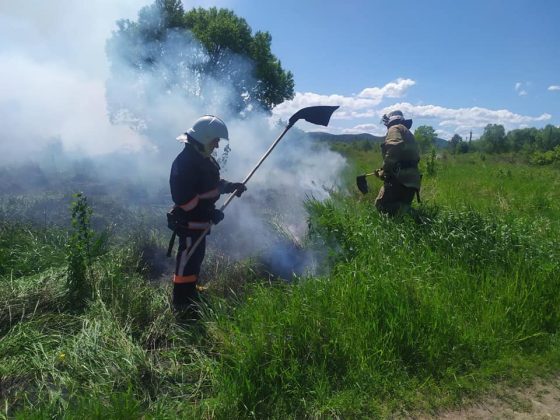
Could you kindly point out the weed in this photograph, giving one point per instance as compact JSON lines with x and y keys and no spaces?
{"x":431,"y":164}
{"x":79,"y":286}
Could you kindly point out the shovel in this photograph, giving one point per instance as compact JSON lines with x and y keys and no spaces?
{"x":319,"y":115}
{"x":361,"y":182}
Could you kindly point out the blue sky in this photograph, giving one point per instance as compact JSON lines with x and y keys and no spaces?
{"x":455,"y":65}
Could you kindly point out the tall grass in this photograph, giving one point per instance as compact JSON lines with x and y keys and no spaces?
{"x":413,"y":313}
{"x":120,"y":356}
{"x":407,"y":307}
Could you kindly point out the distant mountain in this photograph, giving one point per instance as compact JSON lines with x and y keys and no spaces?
{"x":346,"y":138}
{"x":441,"y":143}
{"x":351,"y":138}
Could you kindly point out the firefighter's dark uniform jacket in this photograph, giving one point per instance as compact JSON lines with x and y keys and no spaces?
{"x":195,"y":186}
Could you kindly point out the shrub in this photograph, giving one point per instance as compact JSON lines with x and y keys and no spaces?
{"x":79,"y":254}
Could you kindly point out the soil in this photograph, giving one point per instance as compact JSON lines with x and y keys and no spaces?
{"x":541,"y":400}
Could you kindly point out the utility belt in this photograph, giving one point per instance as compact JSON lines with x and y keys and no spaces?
{"x":400,"y":165}
{"x":178,"y":222}
{"x":406,"y":164}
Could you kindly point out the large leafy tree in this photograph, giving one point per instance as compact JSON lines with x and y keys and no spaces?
{"x":425,"y":136}
{"x":494,"y":138}
{"x":454,"y":143}
{"x":191,"y":54}
{"x":222,"y":32}
{"x":522,"y":139}
{"x":548,"y":138}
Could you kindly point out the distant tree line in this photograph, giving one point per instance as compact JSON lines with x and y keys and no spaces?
{"x":542,"y":146}
{"x":495,"y":140}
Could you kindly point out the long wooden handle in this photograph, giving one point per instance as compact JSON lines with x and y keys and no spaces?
{"x":232,"y":195}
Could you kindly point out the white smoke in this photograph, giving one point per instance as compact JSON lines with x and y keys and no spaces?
{"x":52,"y":77}
{"x":55,"y":83}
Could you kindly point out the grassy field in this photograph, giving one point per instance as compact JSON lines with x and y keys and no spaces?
{"x":410,"y":315}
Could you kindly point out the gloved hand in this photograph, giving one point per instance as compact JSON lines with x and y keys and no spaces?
{"x":216,"y":216}
{"x":238,"y":187}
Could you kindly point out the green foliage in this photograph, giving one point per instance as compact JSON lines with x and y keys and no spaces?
{"x":458,"y":145}
{"x":405,"y":304}
{"x":431,"y":164}
{"x":426,"y":137}
{"x":454,"y":143}
{"x":78,"y":248}
{"x":27,"y":250}
{"x":548,"y":138}
{"x":158,"y":45}
{"x":494,"y":138}
{"x":116,"y":357}
{"x":222,"y":32}
{"x":524,"y":140}
{"x":546,"y":158}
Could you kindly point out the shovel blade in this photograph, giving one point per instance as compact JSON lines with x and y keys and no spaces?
{"x":362,"y":184}
{"x":319,"y":115}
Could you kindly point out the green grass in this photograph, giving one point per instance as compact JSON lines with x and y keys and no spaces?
{"x":414,"y":314}
{"x":25,"y":250}
{"x":405,"y":306}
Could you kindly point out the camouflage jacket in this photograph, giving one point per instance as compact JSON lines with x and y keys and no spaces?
{"x":401,"y":155}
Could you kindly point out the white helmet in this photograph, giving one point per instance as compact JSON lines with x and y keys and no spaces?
{"x":206,"y":129}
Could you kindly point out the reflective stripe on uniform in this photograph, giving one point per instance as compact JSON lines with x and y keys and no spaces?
{"x":198,"y":225}
{"x":210,"y":194}
{"x":183,"y":260}
{"x":191,"y":204}
{"x":184,"y":279}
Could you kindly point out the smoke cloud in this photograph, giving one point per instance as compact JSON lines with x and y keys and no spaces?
{"x":58,"y":94}
{"x":52,"y":77}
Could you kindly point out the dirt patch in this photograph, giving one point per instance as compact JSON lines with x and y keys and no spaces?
{"x":541,"y":400}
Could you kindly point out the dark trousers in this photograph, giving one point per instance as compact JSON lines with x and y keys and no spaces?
{"x":187,"y":272}
{"x":394,"y":198}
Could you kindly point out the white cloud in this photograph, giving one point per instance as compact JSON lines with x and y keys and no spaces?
{"x":365,"y":106}
{"x":375,"y":129}
{"x":361,"y":105}
{"x":554,"y":88}
{"x":460,"y":119}
{"x":519,"y":88}
{"x":396,"y":89}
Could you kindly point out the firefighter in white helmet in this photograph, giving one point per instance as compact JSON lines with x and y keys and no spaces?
{"x":195,"y":187}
